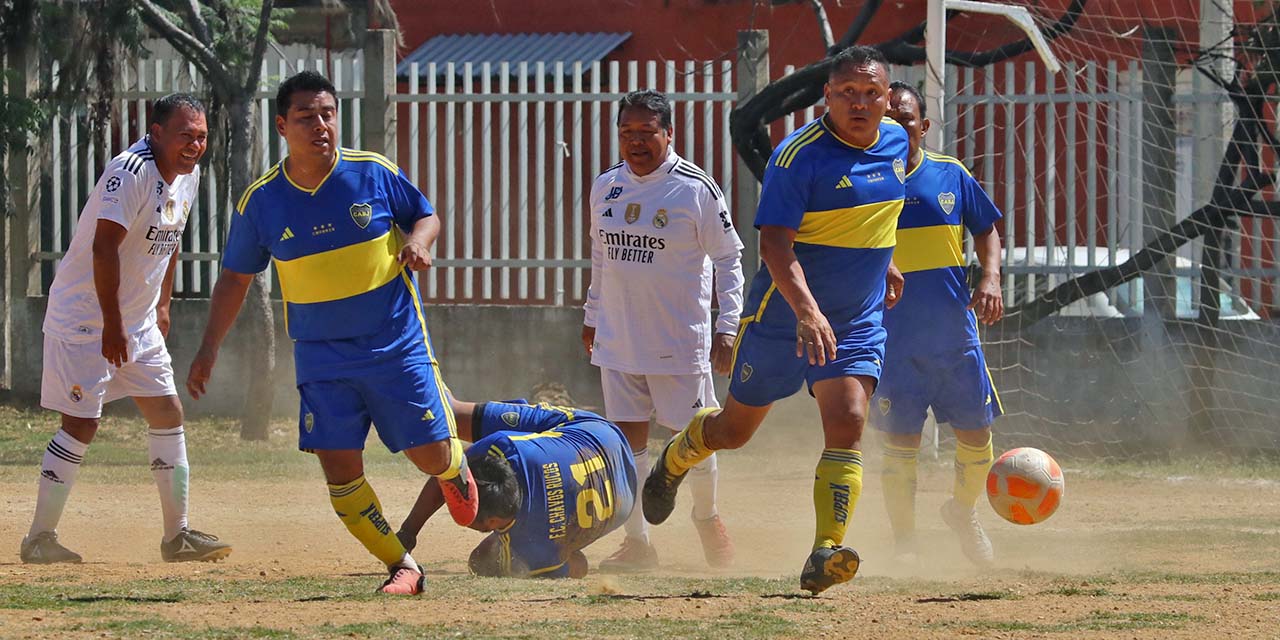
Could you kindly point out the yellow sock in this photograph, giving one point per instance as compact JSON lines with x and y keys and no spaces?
{"x":456,"y":453}
{"x":690,"y":449}
{"x":972,"y":465}
{"x":357,"y":506}
{"x":898,"y":482}
{"x":837,"y":483}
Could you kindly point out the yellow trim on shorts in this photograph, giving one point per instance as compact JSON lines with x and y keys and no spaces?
{"x":435,"y":366}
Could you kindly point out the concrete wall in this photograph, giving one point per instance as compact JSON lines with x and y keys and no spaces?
{"x":1116,"y":387}
{"x":486,"y":352}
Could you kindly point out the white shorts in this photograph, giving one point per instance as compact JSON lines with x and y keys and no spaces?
{"x":77,"y":380}
{"x":630,"y":397}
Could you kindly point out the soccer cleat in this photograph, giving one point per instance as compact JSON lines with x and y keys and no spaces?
{"x":634,"y":556}
{"x":717,"y":547}
{"x":828,"y":567}
{"x":404,"y":581}
{"x":44,"y":548}
{"x":461,"y":496}
{"x":659,"y":497}
{"x":973,"y":540}
{"x":194,"y":546}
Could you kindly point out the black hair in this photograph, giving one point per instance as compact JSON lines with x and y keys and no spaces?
{"x":898,"y":85}
{"x":165,"y":107}
{"x":654,"y":101}
{"x":302,"y":81}
{"x":496,"y":486}
{"x":855,"y":56}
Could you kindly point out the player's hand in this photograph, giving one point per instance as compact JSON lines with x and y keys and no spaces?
{"x":162,"y":321}
{"x":115,"y":346}
{"x":815,"y":339}
{"x":722,"y":353}
{"x":988,"y":302}
{"x":589,"y":338}
{"x":893,"y":284}
{"x":200,"y":372}
{"x":416,"y":256}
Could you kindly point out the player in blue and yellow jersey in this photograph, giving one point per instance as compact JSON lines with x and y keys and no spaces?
{"x":551,"y":481}
{"x":827,"y":217}
{"x":934,"y":358}
{"x":346,"y":229}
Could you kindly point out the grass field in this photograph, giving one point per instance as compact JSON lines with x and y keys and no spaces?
{"x":1188,"y":549}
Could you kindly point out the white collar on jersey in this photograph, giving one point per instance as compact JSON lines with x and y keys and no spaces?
{"x":662,"y":169}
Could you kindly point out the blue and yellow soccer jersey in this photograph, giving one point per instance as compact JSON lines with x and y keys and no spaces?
{"x":348,"y":303}
{"x":942,"y":201}
{"x":578,"y":482}
{"x":492,"y":417}
{"x":843,"y":201}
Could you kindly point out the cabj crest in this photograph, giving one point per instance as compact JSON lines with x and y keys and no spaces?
{"x":362,"y":214}
{"x":947,"y":201}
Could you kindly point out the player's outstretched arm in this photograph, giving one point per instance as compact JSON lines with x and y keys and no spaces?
{"x":224,"y":306}
{"x":429,"y":501}
{"x":814,"y":336}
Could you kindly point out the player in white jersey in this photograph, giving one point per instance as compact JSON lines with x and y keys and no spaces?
{"x":659,"y":225}
{"x":106,"y":323}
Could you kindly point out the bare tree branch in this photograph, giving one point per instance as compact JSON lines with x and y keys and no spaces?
{"x":253,"y":74}
{"x":859,"y":24}
{"x":198,"y":52}
{"x":199,"y":28}
{"x":824,"y":24}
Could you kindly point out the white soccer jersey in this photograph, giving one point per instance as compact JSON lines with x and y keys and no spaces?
{"x":132,"y":193}
{"x":654,"y":241}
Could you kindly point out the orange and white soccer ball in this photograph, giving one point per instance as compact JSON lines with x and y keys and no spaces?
{"x":1025,"y":485}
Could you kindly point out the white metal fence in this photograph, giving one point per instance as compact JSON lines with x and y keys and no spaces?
{"x":507,"y":154}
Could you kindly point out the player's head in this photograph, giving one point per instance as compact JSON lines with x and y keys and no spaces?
{"x":498,"y":491}
{"x":857,"y":93}
{"x":179,"y":133}
{"x":644,"y":130}
{"x":307,"y":115}
{"x":906,"y":105}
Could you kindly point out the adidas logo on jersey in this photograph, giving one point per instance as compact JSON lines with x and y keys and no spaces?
{"x":697,"y":404}
{"x":844,"y":183}
{"x":608,"y":213}
{"x":288,"y":233}
{"x":428,"y":416}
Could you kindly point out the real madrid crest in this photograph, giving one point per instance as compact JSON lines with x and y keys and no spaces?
{"x":660,"y":218}
{"x":900,"y":170}
{"x":633,"y":212}
{"x":362,"y":214}
{"x":947,"y":201}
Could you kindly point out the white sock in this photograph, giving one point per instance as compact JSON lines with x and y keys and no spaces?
{"x":169,"y":467}
{"x":636,"y":526}
{"x":702,"y":481}
{"x":57,"y":473}
{"x":407,"y":561}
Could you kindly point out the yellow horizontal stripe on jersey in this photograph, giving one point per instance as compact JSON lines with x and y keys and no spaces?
{"x":340,"y":273}
{"x":867,"y":226}
{"x":924,"y":248}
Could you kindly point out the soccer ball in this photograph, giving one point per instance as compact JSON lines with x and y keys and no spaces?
{"x":1025,"y":485}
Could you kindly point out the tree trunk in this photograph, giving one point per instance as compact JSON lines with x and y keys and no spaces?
{"x":257,"y":319}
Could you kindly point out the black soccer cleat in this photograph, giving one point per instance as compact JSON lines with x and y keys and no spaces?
{"x":828,"y":567}
{"x":659,"y":496}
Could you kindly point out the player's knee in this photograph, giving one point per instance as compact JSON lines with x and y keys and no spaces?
{"x":82,"y":429}
{"x":432,"y":458}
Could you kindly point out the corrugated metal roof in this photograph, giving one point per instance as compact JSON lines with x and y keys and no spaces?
{"x":513,"y":48}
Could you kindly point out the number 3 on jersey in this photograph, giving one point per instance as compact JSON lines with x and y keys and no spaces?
{"x":589,"y":499}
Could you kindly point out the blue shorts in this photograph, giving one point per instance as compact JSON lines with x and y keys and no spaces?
{"x":766,"y":369}
{"x":406,"y":403}
{"x":957,"y":385}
